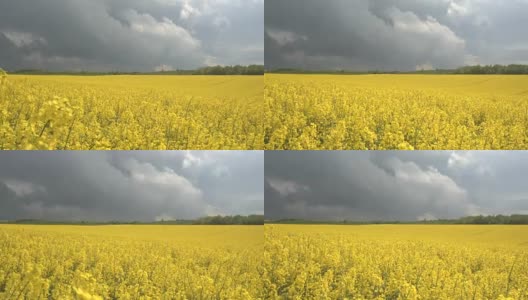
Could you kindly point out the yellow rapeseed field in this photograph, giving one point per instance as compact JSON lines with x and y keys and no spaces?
{"x":396,"y":112}
{"x":131,"y":262}
{"x":396,"y":262}
{"x":131,"y":112}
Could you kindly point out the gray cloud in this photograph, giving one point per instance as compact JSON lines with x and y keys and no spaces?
{"x":129,"y":35}
{"x":136,"y":185}
{"x":394,"y":185}
{"x":394,"y":34}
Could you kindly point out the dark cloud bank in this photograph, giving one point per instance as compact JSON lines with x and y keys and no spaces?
{"x":138,"y":185}
{"x":130,"y":35}
{"x":394,"y":34}
{"x":394,"y":185}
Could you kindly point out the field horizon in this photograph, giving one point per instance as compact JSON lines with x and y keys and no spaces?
{"x":253,"y":70}
{"x":208,"y":220}
{"x":490,"y":69}
{"x":499,"y":219}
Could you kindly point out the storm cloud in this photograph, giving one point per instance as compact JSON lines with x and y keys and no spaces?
{"x":394,"y":34}
{"x":136,"y":185}
{"x":394,"y":185}
{"x":130,"y":35}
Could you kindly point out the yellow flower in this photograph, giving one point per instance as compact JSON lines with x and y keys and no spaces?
{"x":398,"y":112}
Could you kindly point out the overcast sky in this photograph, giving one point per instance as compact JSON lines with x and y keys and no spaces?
{"x":130,"y":35}
{"x":136,"y":185}
{"x":394,"y":34}
{"x":394,"y":185}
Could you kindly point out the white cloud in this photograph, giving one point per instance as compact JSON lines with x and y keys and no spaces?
{"x":427,"y":217}
{"x":283,"y":37}
{"x":410,"y":172}
{"x":431,"y":190}
{"x":424,"y":67}
{"x":22,"y":188}
{"x":458,"y":8}
{"x":164,"y":217}
{"x":408,"y":22}
{"x":213,"y":211}
{"x":460,"y":159}
{"x":148,"y":174}
{"x":467,"y":160}
{"x":286,"y":187}
{"x":191,"y":160}
{"x":217,"y":167}
{"x":23,"y":39}
{"x":163,"y":68}
{"x":188,"y":10}
{"x":145,"y":23}
{"x":211,"y":61}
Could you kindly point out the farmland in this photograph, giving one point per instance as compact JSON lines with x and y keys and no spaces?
{"x":130,"y":112}
{"x":380,"y":112}
{"x":396,"y":262}
{"x":130,"y":262}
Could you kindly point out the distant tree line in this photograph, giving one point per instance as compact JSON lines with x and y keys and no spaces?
{"x":231,"y":70}
{"x":492,"y":219}
{"x":220,"y":220}
{"x":487,"y":69}
{"x":231,"y":220}
{"x":218,"y":70}
{"x":349,"y":72}
{"x":210,"y":220}
{"x":493,"y":69}
{"x":214,"y":70}
{"x":515,"y":219}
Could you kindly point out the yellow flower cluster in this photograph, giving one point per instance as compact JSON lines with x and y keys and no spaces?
{"x":130,"y":262}
{"x":395,"y":262}
{"x":131,"y":112}
{"x":403,"y":112}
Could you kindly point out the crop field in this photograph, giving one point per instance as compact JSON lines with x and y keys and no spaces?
{"x":131,"y":112}
{"x":130,"y":262}
{"x":427,"y":112}
{"x":396,"y":261}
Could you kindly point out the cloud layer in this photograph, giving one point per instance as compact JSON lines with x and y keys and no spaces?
{"x":137,"y":185}
{"x":394,"y":185}
{"x":129,"y":35}
{"x":394,"y":34}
